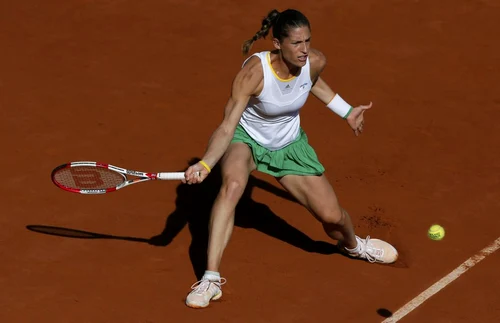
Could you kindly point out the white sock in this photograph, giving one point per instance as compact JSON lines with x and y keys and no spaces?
{"x":212,"y":275}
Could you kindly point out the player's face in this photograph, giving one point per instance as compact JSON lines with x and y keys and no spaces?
{"x":295,"y":47}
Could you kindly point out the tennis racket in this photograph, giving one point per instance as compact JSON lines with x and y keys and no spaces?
{"x":87,"y":177}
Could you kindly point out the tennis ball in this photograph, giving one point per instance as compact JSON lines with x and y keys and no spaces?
{"x":436,"y":232}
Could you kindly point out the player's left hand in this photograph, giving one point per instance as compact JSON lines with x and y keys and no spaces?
{"x":356,"y":120}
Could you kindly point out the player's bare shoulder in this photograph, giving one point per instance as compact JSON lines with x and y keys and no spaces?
{"x":250,"y":79}
{"x":317,"y":59}
{"x":318,"y":63}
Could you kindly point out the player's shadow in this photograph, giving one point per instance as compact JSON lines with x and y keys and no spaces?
{"x":193,"y":207}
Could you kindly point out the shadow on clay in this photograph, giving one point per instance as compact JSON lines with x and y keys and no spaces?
{"x":193,"y":206}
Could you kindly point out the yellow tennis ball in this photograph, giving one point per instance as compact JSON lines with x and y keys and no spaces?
{"x":436,"y":232}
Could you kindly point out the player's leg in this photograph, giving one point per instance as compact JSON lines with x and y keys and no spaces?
{"x":318,"y":196}
{"x":236,"y":165}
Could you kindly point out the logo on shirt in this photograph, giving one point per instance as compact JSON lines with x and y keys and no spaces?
{"x":286,"y":89}
{"x":304,"y":86}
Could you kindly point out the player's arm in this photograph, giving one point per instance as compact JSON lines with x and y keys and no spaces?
{"x":320,"y":88}
{"x":333,"y":101}
{"x":247,"y":82}
{"x":244,"y":85}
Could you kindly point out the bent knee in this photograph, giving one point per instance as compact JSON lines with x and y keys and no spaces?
{"x":233,"y":189}
{"x":333,"y":218}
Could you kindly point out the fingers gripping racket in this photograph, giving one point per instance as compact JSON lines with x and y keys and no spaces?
{"x":87,"y":177}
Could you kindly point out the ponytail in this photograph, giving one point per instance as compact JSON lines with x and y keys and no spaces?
{"x":267,"y":23}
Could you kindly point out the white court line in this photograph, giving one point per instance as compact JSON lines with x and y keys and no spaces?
{"x":417,"y":301}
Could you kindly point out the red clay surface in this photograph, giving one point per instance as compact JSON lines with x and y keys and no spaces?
{"x":142,"y":85}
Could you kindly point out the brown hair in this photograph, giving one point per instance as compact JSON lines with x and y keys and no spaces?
{"x":281,"y":22}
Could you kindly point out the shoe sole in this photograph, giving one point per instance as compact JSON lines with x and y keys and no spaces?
{"x":196,"y":306}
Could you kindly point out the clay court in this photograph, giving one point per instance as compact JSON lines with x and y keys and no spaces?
{"x":142,"y":85}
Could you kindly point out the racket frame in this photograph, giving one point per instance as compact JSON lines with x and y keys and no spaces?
{"x":141,"y":176}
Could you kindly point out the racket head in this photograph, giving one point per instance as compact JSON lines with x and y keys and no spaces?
{"x":87,"y":178}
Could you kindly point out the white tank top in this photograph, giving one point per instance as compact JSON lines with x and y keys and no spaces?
{"x":272,"y":118}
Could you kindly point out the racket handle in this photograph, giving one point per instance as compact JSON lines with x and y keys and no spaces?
{"x":170,"y":176}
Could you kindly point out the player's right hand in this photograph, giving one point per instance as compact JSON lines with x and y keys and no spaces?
{"x":195,"y":174}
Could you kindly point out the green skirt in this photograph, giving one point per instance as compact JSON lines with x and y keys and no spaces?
{"x":298,"y":158}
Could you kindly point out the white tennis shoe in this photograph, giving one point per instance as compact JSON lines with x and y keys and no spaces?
{"x":204,"y":291}
{"x":373,"y":250}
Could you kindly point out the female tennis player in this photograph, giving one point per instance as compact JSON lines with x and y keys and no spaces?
{"x":261,"y":131}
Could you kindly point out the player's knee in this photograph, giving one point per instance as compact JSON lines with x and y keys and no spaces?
{"x":333,"y":218}
{"x":233,"y":189}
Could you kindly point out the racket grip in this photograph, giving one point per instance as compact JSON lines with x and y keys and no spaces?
{"x":170,"y":176}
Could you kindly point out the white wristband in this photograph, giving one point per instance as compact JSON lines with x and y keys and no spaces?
{"x":339,"y":106}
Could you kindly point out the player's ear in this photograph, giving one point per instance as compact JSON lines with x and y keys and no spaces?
{"x":276,"y":43}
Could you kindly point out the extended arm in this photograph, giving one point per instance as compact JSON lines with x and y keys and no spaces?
{"x":245,"y":84}
{"x":333,"y":101}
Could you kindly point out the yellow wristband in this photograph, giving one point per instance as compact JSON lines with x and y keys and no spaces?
{"x":205,"y":165}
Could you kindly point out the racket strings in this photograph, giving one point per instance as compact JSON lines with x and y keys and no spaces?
{"x":88,"y":177}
